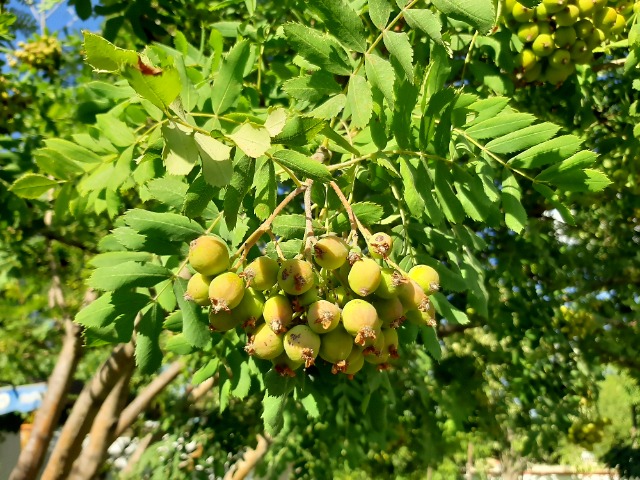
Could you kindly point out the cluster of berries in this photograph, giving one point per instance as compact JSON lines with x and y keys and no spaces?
{"x":559,"y":34}
{"x":342,"y":306}
{"x":44,"y":53}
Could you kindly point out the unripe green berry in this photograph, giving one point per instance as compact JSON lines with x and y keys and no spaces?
{"x":209,"y":255}
{"x":390,"y":281}
{"x":306,"y":299}
{"x":426,"y":277}
{"x":355,"y":361}
{"x":278,"y":313}
{"x":564,"y":37}
{"x":413,"y":297}
{"x":338,"y":296}
{"x":265,"y":344}
{"x":261,"y":273}
{"x":568,"y":16}
{"x":527,"y":32}
{"x":198,"y":290}
{"x":380,"y":245}
{"x":323,"y":316}
{"x":391,"y":342}
{"x":336,"y":347}
{"x":543,"y":45}
{"x":521,"y":13}
{"x":364,"y":277}
{"x":554,"y":6}
{"x":361,"y":320}
{"x":250,"y":308}
{"x":390,"y":311}
{"x":285,"y":366}
{"x":226,"y":292}
{"x":330,"y":252}
{"x":222,"y":321}
{"x":302,"y":344}
{"x":296,"y":276}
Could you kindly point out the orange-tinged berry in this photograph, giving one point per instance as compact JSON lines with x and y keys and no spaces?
{"x":361,"y":320}
{"x":302,"y":344}
{"x":264,"y":343}
{"x":380,"y":245}
{"x":296,"y":277}
{"x":323,"y":316}
{"x":330,"y":252}
{"x":226,"y":292}
{"x":261,"y":273}
{"x":278,"y":313}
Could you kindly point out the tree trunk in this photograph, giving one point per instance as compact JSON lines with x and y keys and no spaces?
{"x":85,"y":410}
{"x":250,"y":459}
{"x":102,"y":432}
{"x":33,"y":455}
{"x":144,"y":398}
{"x":469,"y":468}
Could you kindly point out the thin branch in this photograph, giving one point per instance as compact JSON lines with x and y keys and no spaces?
{"x":243,"y":251}
{"x":309,"y":235}
{"x":353,"y":221}
{"x":276,"y":244}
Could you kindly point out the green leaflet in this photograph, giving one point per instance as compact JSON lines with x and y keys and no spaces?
{"x":514,"y":213}
{"x":303,"y":165}
{"x":381,"y":75}
{"x":480,"y":14}
{"x":32,"y":185}
{"x":240,"y":182}
{"x":228,"y":82}
{"x":342,"y":22}
{"x":127,"y":275}
{"x":148,"y":352}
{"x":359,"y":101}
{"x":321,"y":50}
{"x":400,"y":48}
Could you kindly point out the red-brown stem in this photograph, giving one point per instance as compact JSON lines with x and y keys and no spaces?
{"x":243,"y":251}
{"x":353,"y":220}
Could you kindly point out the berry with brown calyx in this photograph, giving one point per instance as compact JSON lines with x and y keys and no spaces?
{"x":427,"y":277}
{"x":391,"y":342}
{"x":355,"y":361}
{"x":278,"y":313}
{"x":330,"y":252}
{"x":302,"y":344}
{"x":250,"y":308}
{"x":198,"y":289}
{"x":390,"y":282}
{"x":304,"y":300}
{"x":364,"y":277}
{"x":390,"y":311}
{"x":413,"y":297}
{"x":209,"y":255}
{"x":323,"y":316}
{"x":296,"y":277}
{"x":264,"y":343}
{"x":335,"y":348}
{"x":361,"y":320}
{"x":261,"y":273}
{"x":380,"y":245}
{"x":226,"y":292}
{"x":285,"y":366}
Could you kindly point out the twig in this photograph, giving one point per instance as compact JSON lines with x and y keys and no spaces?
{"x":309,"y":235}
{"x":353,"y":235}
{"x":243,"y":251}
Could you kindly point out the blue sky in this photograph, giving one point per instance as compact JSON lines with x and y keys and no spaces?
{"x":63,"y":17}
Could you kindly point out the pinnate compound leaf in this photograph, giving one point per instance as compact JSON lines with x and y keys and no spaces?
{"x":359,"y":101}
{"x":299,"y":131}
{"x":109,"y":259}
{"x":180,"y":151}
{"x":32,"y":185}
{"x":227,"y":85}
{"x":431,"y":343}
{"x":379,"y":11}
{"x":167,"y":226}
{"x":381,"y":75}
{"x":514,"y":213}
{"x":480,"y":14}
{"x":198,"y":196}
{"x":195,"y":324}
{"x":331,"y":108}
{"x":321,"y":50}
{"x":400,"y":48}
{"x":368,"y":213}
{"x":128,"y":275}
{"x":205,"y":372}
{"x":238,"y":188}
{"x":303,"y":165}
{"x":266,"y":187}
{"x":216,"y":162}
{"x":253,"y":140}
{"x":148,"y":352}
{"x":104,"y":56}
{"x":342,"y":22}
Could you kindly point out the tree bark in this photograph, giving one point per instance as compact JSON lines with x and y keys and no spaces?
{"x":144,"y":398}
{"x":250,"y":459}
{"x":33,"y":455}
{"x":85,"y":410}
{"x":102,"y":432}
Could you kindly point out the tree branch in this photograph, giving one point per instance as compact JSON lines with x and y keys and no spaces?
{"x":85,"y":410}
{"x":250,"y":459}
